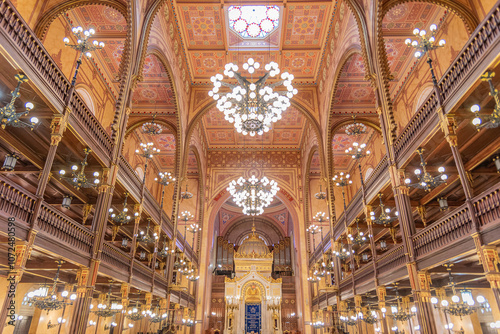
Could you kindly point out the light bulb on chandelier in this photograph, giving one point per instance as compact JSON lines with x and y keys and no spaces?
{"x":254,"y":194}
{"x":252,"y":106}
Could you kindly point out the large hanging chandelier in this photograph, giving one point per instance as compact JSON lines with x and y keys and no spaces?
{"x":78,"y":179}
{"x":123,"y":217}
{"x":8,"y":113}
{"x":358,"y":238}
{"x":146,"y":237}
{"x":343,"y":252}
{"x":355,"y":128}
{"x":152,"y":128}
{"x":400,"y":312}
{"x":46,"y":300}
{"x":253,"y":195}
{"x":109,"y":308}
{"x":462,"y":303}
{"x":385,"y":217}
{"x":425,"y":180}
{"x":252,"y":106}
{"x":134,"y":313}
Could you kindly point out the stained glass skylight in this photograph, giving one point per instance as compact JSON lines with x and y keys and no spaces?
{"x":253,"y":21}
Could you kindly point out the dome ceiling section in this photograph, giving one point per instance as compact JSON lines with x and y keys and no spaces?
{"x":397,"y":26}
{"x":154,"y":93}
{"x":111,"y":28}
{"x":216,"y":34}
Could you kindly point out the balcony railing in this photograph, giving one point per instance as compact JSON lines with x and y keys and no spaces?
{"x":115,"y":257}
{"x":18,"y":33}
{"x":65,"y":229}
{"x":15,"y":202}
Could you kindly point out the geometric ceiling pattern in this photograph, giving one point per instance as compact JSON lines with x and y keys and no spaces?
{"x":296,"y":44}
{"x":397,"y":26}
{"x":154,"y":93}
{"x":285,"y":133}
{"x":111,"y":28}
{"x":354,"y":94}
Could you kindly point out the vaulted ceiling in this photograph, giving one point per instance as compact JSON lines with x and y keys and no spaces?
{"x":296,"y":45}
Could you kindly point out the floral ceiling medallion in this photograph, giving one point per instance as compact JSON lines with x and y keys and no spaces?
{"x":253,"y":21}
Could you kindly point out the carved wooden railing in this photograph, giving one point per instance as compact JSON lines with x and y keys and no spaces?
{"x":480,"y":43}
{"x":418,"y":123}
{"x":15,"y":202}
{"x":115,"y":257}
{"x":129,"y":178}
{"x":483,"y":40}
{"x":142,"y":272}
{"x":395,"y":258}
{"x":87,"y":121}
{"x":381,"y":168}
{"x":65,"y":229}
{"x":14,"y":28}
{"x":443,"y":232}
{"x":13,"y":25}
{"x":487,"y":206}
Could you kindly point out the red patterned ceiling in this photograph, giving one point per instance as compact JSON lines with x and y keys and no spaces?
{"x":397,"y":26}
{"x":210,"y":44}
{"x":353,"y":91}
{"x":154,"y":93}
{"x":286,"y":133}
{"x":110,"y":27}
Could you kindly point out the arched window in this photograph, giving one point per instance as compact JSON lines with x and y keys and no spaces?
{"x":140,"y":172}
{"x":87,"y":98}
{"x":368,"y":172}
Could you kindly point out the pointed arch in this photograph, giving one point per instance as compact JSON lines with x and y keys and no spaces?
{"x":49,"y":16}
{"x":464,"y":13}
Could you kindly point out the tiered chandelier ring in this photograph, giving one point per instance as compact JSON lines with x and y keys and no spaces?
{"x":254,"y":194}
{"x":252,"y":106}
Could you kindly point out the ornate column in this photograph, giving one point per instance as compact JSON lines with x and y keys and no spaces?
{"x":81,"y":306}
{"x":381,"y":294}
{"x":488,"y":256}
{"x":133,"y":246}
{"x":57,"y":126}
{"x":357,"y":303}
{"x":22,"y":251}
{"x":120,"y":319}
{"x":448,"y":126}
{"x":402,"y":198}
{"x":420,"y":283}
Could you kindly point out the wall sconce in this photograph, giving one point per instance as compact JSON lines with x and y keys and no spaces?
{"x":10,"y":161}
{"x":496,"y":161}
{"x":66,"y":202}
{"x":383,"y":245}
{"x":364,"y":257}
{"x":443,"y":203}
{"x":142,"y":256}
{"x":91,"y":323}
{"x":124,"y":243}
